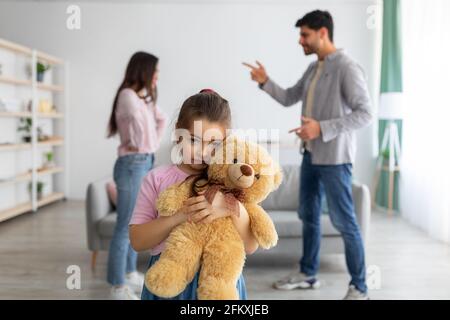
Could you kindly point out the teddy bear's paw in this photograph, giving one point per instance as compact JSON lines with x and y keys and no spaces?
{"x":266,"y":238}
{"x":166,"y":280}
{"x":217,"y":289}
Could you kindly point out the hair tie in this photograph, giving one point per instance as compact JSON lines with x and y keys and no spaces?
{"x":207,"y":91}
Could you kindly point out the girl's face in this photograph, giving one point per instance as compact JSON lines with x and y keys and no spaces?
{"x":200,"y":143}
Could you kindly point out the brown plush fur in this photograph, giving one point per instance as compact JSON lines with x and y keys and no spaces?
{"x":217,"y":247}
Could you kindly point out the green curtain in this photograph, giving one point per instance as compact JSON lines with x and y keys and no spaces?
{"x":391,"y":81}
{"x":391,"y":63}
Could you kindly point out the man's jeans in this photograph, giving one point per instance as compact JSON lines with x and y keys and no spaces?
{"x":129,"y":171}
{"x":335,"y":182}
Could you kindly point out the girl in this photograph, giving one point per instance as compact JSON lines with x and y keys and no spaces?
{"x":140,"y":124}
{"x":147,"y":230}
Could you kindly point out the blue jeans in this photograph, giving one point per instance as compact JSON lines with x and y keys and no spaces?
{"x":128,"y":173}
{"x":335,"y":182}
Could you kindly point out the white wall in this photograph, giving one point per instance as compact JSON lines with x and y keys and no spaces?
{"x":199,"y":45}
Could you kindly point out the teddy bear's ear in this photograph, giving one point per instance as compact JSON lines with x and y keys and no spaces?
{"x":278,"y":177}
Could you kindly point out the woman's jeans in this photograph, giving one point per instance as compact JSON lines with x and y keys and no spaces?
{"x":336,"y":183}
{"x":129,"y":171}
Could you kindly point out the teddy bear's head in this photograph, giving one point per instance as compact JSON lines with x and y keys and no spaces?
{"x":247,"y":166}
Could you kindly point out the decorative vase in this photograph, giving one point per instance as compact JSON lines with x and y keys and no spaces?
{"x":40,"y":76}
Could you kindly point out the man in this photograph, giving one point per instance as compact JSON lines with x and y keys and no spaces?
{"x":335,"y":103}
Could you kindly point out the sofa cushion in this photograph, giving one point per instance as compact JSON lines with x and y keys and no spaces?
{"x":286,"y":196}
{"x":107,"y":224}
{"x":111,"y":189}
{"x":289,"y":225}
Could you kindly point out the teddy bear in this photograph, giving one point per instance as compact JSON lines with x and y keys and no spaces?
{"x":244,"y":174}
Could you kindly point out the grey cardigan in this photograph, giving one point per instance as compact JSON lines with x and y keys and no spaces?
{"x":341,"y":105}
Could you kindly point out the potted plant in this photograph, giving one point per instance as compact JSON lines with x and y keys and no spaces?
{"x":26,"y":124}
{"x":39,"y":189}
{"x":41,"y":69}
{"x":49,"y":156}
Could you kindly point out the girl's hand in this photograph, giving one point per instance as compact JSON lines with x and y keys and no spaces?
{"x":180,"y":216}
{"x":199,"y":210}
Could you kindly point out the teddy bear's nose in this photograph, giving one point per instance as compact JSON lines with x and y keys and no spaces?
{"x":246,"y":170}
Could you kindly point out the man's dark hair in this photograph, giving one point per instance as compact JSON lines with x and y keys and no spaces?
{"x":318,"y":19}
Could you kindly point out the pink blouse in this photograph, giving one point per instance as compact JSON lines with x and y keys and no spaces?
{"x":140,"y":124}
{"x":156,"y":181}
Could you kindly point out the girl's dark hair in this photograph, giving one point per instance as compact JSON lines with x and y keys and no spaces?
{"x":139,"y":75}
{"x":206,"y":104}
{"x":209,"y":105}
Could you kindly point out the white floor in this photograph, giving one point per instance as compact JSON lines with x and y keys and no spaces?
{"x":36,"y":250}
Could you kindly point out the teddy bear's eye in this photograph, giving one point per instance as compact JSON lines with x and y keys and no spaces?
{"x":257,"y":176}
{"x":235,"y":160}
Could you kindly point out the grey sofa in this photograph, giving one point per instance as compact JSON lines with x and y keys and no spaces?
{"x":281,"y":205}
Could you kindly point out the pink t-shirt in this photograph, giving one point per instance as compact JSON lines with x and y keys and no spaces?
{"x":140,"y":124}
{"x":156,"y":181}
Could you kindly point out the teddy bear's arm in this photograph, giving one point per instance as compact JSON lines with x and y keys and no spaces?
{"x":262,"y":226}
{"x":171,"y":199}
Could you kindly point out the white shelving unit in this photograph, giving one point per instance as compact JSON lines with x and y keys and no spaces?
{"x":22,"y":163}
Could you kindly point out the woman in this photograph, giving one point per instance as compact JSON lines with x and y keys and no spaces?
{"x":140,"y":125}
